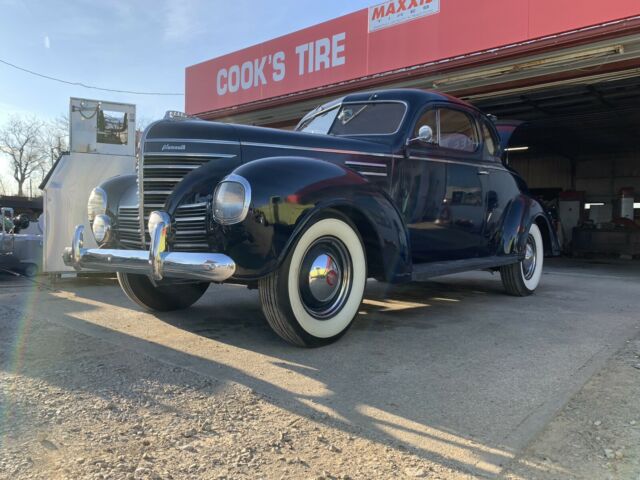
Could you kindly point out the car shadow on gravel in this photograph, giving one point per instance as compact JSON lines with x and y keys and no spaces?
{"x":369,"y":392}
{"x":434,"y":368}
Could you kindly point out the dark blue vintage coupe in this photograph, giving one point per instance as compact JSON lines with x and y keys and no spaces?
{"x":396,"y":185}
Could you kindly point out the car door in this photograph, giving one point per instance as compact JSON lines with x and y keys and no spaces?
{"x":442,"y":197}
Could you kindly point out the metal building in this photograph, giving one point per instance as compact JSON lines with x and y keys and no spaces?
{"x":568,"y":70}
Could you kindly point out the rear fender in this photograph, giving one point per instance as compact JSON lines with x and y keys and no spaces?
{"x":538,"y":216}
{"x":523,"y":212}
{"x":512,"y":226}
{"x":288,"y":193}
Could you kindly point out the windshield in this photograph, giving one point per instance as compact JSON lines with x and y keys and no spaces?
{"x":364,"y":118}
{"x":320,"y":123}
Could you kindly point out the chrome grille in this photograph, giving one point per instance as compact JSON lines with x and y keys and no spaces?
{"x":191,"y":228}
{"x":160,"y":174}
{"x":129,"y":226}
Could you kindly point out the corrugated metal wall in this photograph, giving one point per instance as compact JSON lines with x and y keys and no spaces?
{"x":600,"y":176}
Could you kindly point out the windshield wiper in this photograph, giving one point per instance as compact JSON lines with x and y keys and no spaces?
{"x":355,"y":114}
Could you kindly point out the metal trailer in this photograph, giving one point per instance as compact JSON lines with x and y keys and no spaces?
{"x":102,"y":146}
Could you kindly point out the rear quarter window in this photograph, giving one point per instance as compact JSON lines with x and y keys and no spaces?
{"x":490,"y":143}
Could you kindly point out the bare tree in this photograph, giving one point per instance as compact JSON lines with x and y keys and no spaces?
{"x":21,"y":141}
{"x":55,"y":139}
{"x":3,"y":189}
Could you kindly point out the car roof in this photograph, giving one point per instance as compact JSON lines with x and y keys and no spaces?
{"x":412,"y":96}
{"x":409,"y":95}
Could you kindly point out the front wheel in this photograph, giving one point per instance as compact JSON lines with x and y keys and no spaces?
{"x":315,"y":295}
{"x":522,"y":278}
{"x":161,"y":298}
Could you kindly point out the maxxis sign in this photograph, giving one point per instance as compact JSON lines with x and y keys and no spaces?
{"x":393,"y":12}
{"x":389,"y":36}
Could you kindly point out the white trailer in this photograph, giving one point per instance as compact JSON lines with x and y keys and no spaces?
{"x":102,"y":146}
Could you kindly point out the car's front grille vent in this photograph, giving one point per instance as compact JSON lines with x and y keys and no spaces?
{"x":191,"y":228}
{"x":129,"y":226}
{"x":160,"y":175}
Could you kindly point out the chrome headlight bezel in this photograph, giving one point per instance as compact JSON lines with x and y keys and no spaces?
{"x":96,"y":204}
{"x":219,"y":203}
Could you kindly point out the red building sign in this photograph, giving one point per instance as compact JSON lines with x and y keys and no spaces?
{"x":388,"y":36}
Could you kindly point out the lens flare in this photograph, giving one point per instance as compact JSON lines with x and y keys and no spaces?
{"x":17,"y":313}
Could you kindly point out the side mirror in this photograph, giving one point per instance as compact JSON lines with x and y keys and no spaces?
{"x":425,"y":135}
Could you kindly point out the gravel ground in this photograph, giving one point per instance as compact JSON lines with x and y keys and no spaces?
{"x":597,"y":434}
{"x":92,"y":388}
{"x":107,"y":413}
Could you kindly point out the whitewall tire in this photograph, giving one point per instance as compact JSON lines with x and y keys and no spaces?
{"x":316,"y":294}
{"x":522,"y":278}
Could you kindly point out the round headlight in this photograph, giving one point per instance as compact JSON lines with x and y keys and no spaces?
{"x":97,"y":204}
{"x":231,"y":200}
{"x":101,"y":227}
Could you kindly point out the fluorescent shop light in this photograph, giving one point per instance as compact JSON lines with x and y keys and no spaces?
{"x":587,"y":206}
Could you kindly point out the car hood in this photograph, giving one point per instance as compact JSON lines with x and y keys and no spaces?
{"x":232,"y":145}
{"x":198,"y":136}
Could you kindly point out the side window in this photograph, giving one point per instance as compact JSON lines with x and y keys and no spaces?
{"x":428,"y":118}
{"x":490,"y":149}
{"x":457,"y":131}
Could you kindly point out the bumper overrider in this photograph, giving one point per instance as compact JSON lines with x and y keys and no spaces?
{"x":156,"y":262}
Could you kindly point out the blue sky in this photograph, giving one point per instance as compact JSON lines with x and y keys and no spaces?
{"x":133,"y":45}
{"x":140,"y":45}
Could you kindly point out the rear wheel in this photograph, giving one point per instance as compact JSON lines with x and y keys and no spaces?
{"x":162,"y":298}
{"x":315,"y":295}
{"x":522,"y":278}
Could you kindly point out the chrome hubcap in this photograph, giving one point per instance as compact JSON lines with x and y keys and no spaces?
{"x":530,"y":258}
{"x":325,"y":277}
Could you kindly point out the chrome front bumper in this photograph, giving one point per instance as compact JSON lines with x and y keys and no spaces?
{"x":156,"y":262}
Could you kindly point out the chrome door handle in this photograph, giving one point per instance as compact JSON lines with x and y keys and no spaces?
{"x":483,"y":172}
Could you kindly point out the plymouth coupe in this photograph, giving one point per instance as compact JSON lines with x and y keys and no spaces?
{"x":396,"y":185}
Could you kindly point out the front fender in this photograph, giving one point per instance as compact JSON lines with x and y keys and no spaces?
{"x":290,"y":192}
{"x":120,"y":190}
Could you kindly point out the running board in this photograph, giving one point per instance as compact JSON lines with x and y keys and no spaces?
{"x":425,"y":271}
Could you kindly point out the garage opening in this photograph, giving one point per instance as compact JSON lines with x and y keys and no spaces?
{"x":578,"y":148}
